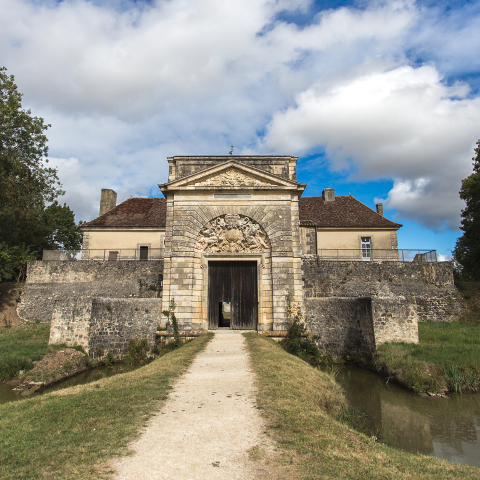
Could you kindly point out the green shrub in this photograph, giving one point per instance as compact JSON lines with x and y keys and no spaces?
{"x":108,"y":360}
{"x":137,"y":350}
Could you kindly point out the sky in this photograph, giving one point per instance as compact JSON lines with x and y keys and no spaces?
{"x":380,"y":99}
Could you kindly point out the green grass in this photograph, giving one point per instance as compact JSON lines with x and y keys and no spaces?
{"x":302,"y":406}
{"x":20,"y":346}
{"x":72,"y":433}
{"x":447,"y":357}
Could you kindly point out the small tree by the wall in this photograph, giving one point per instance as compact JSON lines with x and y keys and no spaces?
{"x":300,"y":342}
{"x":172,"y":320}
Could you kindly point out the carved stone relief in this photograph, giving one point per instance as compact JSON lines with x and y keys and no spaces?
{"x":233,"y":178}
{"x":232,"y":233}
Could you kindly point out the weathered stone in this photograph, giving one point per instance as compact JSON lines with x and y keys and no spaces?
{"x":429,"y":287}
{"x":48,"y":281}
{"x":105,"y":324}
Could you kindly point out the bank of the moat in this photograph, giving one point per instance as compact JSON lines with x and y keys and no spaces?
{"x":53,"y":368}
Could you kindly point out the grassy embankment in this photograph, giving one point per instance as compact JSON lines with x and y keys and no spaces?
{"x":447,"y":356}
{"x":22,"y":345}
{"x":70,"y":434}
{"x":302,"y":407}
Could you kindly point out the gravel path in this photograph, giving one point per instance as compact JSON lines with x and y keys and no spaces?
{"x":208,"y":425}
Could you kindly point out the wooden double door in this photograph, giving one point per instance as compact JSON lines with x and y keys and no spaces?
{"x":232,"y":295}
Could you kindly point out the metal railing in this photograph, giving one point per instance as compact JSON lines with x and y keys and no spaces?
{"x":62,"y":255}
{"x":339,"y":254}
{"x":104,"y":254}
{"x":378,"y":255}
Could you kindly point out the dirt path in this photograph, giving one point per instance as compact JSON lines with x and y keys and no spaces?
{"x":209,"y":428}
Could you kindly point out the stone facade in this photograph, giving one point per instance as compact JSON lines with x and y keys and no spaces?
{"x":224,"y":208}
{"x":281,"y":166}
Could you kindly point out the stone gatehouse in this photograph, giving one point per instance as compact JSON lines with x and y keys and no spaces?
{"x":232,"y":242}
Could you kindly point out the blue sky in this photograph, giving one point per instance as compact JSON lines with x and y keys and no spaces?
{"x":380,"y":99}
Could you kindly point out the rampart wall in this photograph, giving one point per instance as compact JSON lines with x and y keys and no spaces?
{"x":427,"y":286}
{"x":48,"y":281}
{"x":355,"y":306}
{"x":356,"y":326}
{"x":352,"y":306}
{"x":104,"y":324}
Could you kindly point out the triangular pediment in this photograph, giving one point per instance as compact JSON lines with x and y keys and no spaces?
{"x":231,"y":175}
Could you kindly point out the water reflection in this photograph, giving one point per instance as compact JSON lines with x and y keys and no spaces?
{"x":446,"y":428}
{"x":95,"y":374}
{"x":6,"y":394}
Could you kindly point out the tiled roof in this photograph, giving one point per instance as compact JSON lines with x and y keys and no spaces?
{"x":345,"y":212}
{"x":134,"y":212}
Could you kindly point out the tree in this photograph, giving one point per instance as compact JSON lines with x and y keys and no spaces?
{"x":30,"y":218}
{"x":467,"y":249}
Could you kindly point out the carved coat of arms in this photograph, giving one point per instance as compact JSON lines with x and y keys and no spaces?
{"x":232,"y":233}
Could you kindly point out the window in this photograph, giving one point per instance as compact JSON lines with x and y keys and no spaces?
{"x":366,"y":248}
{"x":143,"y":253}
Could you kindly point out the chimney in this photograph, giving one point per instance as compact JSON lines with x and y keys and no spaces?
{"x":380,"y":208}
{"x":108,"y":200}
{"x":328,"y":194}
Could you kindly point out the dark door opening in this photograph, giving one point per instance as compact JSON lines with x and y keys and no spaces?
{"x":143,"y":253}
{"x":232,"y":286}
{"x":224,"y":314}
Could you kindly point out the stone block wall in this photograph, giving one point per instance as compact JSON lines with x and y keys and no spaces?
{"x":357,"y":326}
{"x":70,"y":321}
{"x":344,"y":325}
{"x":394,"y":320}
{"x":356,"y":306}
{"x":427,"y":286}
{"x":115,"y":321}
{"x":308,"y":237}
{"x":105,"y":323}
{"x":48,"y":281}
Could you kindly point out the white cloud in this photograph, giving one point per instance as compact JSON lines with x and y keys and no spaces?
{"x":127,"y":84}
{"x":403,"y":124}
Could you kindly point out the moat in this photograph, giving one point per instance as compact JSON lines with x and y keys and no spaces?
{"x":447,"y":428}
